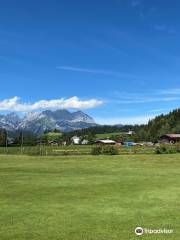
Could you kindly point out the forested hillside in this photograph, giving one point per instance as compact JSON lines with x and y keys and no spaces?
{"x":169,"y":123}
{"x":165,"y":123}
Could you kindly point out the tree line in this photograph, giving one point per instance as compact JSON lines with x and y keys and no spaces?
{"x":152,"y":131}
{"x":160,"y":125}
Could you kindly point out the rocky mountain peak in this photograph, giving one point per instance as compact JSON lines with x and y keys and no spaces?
{"x":37,"y":122}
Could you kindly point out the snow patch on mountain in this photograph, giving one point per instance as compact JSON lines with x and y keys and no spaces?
{"x":38,"y":122}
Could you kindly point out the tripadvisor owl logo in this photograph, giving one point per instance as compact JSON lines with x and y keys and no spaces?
{"x":139,"y":231}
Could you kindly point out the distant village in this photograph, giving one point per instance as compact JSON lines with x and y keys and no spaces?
{"x":79,"y":140}
{"x":166,"y":139}
{"x":128,"y":139}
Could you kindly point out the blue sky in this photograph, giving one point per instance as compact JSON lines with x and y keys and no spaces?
{"x":118,"y":61}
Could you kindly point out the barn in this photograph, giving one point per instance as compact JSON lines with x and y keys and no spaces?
{"x":170,"y":138}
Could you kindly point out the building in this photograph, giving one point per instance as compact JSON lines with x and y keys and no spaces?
{"x":53,"y":143}
{"x":75,"y":140}
{"x":84,"y":142}
{"x":170,"y":138}
{"x":41,"y":142}
{"x":10,"y":141}
{"x":105,"y":142}
{"x":130,"y":133}
{"x":64,"y":143}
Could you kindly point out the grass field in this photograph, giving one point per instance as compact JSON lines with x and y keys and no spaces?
{"x":89,"y":198}
{"x":69,"y":150}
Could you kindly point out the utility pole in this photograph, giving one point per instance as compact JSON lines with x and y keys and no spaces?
{"x":22,"y":142}
{"x":40,"y":147}
{"x":6,"y":142}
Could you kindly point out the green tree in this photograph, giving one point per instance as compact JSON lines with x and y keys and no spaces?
{"x":3,"y":136}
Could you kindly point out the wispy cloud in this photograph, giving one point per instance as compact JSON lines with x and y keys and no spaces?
{"x":148,"y":99}
{"x":78,"y":69}
{"x":135,"y":3}
{"x":164,"y":28}
{"x":160,"y":95}
{"x":98,"y":71}
{"x":160,"y":27}
{"x":141,"y":119}
{"x":14,"y":104}
{"x":158,"y":110}
{"x":171,"y":91}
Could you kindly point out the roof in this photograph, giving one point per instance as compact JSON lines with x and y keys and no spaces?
{"x":172,"y":135}
{"x":75,"y":137}
{"x":106,"y":141}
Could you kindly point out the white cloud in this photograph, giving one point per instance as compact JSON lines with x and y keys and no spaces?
{"x":125,"y":120}
{"x":14,"y":104}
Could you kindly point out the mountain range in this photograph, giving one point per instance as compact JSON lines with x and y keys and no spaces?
{"x":38,"y":122}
